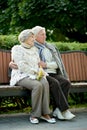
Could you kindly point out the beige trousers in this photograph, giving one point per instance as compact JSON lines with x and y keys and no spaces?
{"x":39,"y":95}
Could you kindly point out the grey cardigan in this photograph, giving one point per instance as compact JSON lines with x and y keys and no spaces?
{"x":56,"y":54}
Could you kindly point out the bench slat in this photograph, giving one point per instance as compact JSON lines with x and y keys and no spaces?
{"x":5,"y":58}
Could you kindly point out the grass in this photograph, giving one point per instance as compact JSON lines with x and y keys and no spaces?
{"x":18,"y":105}
{"x":12,"y":110}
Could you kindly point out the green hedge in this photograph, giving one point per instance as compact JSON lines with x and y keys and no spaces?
{"x":8,"y":41}
{"x":66,"y":46}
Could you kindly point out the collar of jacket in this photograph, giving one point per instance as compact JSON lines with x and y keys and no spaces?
{"x":51,"y":47}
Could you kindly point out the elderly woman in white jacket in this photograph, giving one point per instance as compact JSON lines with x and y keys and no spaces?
{"x":27,"y":58}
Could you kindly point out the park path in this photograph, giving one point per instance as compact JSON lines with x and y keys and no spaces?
{"x":21,"y":122}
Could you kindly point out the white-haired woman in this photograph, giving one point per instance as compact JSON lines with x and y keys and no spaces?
{"x":26,"y":57}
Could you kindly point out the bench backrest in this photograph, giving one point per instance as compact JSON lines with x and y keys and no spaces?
{"x":5,"y":58}
{"x":75,"y":63}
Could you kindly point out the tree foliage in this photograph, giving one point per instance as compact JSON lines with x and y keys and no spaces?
{"x":67,"y":17}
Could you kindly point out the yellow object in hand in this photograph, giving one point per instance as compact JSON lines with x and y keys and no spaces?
{"x":40,"y":73}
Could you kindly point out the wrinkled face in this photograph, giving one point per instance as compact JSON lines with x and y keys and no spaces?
{"x":30,"y":40}
{"x":41,"y":37}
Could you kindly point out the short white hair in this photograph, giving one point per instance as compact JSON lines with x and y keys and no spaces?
{"x":24,"y":35}
{"x":37,"y":29}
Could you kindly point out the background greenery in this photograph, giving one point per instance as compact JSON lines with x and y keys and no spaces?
{"x":65,"y":20}
{"x":7,"y":41}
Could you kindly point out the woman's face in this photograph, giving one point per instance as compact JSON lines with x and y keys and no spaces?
{"x":30,"y":40}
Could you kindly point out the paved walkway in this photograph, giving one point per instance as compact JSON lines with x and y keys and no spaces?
{"x":21,"y":122}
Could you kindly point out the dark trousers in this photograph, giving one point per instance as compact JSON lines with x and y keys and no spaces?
{"x":59,"y":89}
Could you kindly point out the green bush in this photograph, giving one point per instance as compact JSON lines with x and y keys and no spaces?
{"x":8,"y":41}
{"x":66,"y":46}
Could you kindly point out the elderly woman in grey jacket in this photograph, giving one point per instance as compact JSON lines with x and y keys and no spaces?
{"x":26,"y":57}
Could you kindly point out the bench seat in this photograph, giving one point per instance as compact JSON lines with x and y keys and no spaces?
{"x":7,"y":90}
{"x":78,"y":87}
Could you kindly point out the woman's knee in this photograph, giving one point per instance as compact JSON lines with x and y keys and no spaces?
{"x":44,"y":82}
{"x":38,"y":86}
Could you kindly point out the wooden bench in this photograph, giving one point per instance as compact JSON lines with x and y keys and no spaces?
{"x":76,"y":66}
{"x":75,"y":63}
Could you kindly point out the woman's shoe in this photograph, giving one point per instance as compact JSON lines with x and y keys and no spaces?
{"x":50,"y":120}
{"x":34,"y":120}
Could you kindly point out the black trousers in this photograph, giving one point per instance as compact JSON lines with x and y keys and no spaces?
{"x":59,"y":89}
